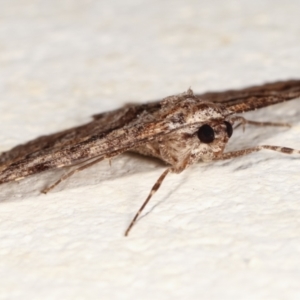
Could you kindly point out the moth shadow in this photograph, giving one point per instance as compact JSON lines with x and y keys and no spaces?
{"x":124,"y":165}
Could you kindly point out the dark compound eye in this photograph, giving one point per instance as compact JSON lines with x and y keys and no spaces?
{"x":228,"y":129}
{"x":206,"y":134}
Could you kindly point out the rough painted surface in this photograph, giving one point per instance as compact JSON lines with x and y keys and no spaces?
{"x":220,"y":231}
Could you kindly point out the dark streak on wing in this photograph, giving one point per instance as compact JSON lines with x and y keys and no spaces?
{"x":255,"y":97}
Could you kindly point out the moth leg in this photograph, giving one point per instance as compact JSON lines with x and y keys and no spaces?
{"x":238,"y":153}
{"x":67,"y":175}
{"x":152,"y":192}
{"x":243,"y":121}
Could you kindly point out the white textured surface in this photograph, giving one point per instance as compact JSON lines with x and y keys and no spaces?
{"x":228,"y":230}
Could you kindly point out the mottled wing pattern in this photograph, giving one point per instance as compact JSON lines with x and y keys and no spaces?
{"x":102,"y":125}
{"x":80,"y":143}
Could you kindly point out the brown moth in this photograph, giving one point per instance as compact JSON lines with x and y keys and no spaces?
{"x":180,"y":130}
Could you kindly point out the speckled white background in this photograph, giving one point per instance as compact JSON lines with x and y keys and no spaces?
{"x":226,"y":230}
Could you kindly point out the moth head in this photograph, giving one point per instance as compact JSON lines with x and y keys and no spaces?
{"x":200,"y":132}
{"x":210,"y":139}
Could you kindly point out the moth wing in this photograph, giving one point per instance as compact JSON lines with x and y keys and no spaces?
{"x":101,"y":125}
{"x":106,"y":136}
{"x":255,"y":97}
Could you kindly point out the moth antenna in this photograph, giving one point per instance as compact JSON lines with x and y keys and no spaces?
{"x":154,"y":189}
{"x":243,"y":121}
{"x":243,"y":152}
{"x":268,"y":124}
{"x":67,"y":175}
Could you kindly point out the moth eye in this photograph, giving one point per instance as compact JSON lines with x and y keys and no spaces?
{"x":228,"y":129}
{"x":206,"y":134}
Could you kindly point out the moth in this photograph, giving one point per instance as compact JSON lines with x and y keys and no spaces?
{"x":180,"y":130}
